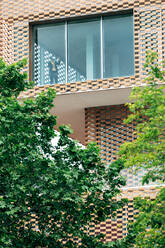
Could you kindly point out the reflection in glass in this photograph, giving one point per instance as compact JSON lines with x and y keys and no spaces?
{"x":49,"y":54}
{"x":81,"y":47}
{"x":118,"y":51}
{"x":83,"y":50}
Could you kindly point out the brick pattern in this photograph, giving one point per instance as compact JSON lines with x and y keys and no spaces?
{"x":113,"y":228}
{"x":1,"y":30}
{"x":151,"y":35}
{"x":149,"y":32}
{"x":105,"y":126}
{"x":116,"y":228}
{"x":163,"y":31}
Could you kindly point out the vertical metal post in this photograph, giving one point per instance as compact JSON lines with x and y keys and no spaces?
{"x":66,"y":51}
{"x":133,"y":27}
{"x":101,"y":43}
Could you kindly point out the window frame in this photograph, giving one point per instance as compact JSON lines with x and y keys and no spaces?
{"x":33,"y":25}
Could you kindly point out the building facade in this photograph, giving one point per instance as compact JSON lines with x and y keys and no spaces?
{"x":92,"y":53}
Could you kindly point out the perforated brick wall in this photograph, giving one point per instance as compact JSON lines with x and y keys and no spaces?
{"x":149,"y":32}
{"x":1,"y":22}
{"x":104,"y":124}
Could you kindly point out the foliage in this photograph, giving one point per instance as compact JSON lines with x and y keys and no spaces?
{"x":12,"y":82}
{"x":126,"y":242}
{"x":148,"y":230}
{"x":147,"y":151}
{"x":62,"y":188}
{"x":150,"y":223}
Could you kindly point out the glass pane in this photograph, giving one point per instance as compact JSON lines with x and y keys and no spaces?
{"x":83,"y":50}
{"x":118,"y":46}
{"x":49,"y":54}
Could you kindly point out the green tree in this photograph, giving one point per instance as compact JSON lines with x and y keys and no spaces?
{"x":49,"y":194}
{"x":147,"y":151}
{"x":148,"y":111}
{"x":150,"y":223}
{"x":148,"y":229}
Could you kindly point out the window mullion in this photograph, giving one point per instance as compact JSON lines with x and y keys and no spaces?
{"x":66,"y":50}
{"x":101,"y":45}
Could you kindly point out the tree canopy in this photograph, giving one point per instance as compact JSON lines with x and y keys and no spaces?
{"x":148,"y":112}
{"x":49,"y":194}
{"x":147,"y":151}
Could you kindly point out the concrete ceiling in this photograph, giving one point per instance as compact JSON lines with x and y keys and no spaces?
{"x":70,"y":107}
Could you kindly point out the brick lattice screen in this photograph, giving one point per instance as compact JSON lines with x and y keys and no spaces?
{"x":149,"y":32}
{"x":103,"y":124}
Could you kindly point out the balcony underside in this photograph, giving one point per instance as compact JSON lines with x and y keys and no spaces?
{"x":70,"y":107}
